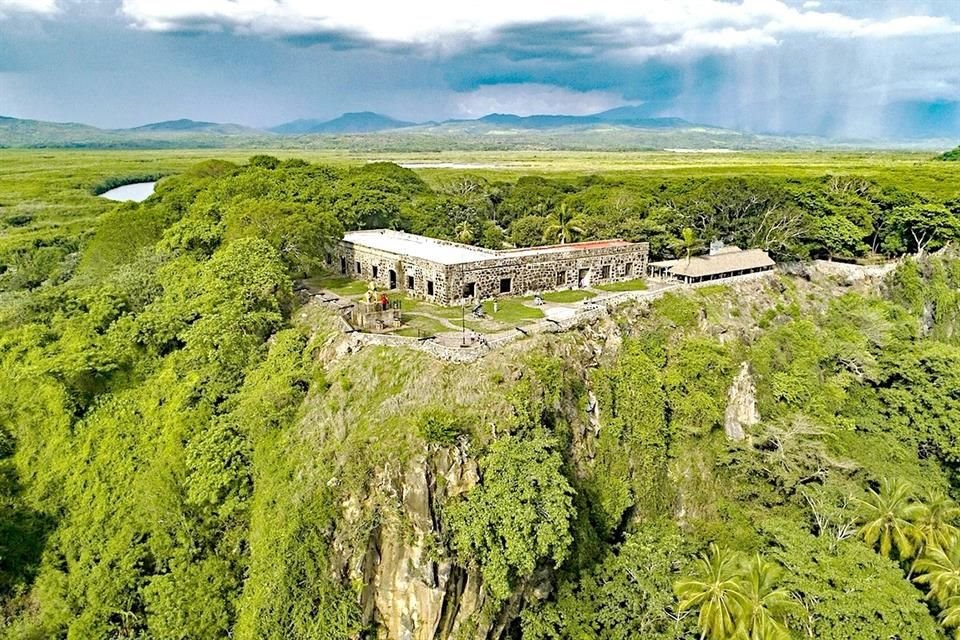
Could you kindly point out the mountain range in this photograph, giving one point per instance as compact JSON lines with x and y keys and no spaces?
{"x":356,"y":122}
{"x":621,"y":129}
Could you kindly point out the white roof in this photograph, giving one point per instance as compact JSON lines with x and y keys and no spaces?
{"x":408,"y":244}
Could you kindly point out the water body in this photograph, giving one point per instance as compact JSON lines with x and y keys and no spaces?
{"x":136,"y":192}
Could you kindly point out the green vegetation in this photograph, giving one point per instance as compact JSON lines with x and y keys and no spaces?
{"x":628,"y":285}
{"x":340,"y":285}
{"x":512,"y":311}
{"x":952,"y":155}
{"x":187,"y":452}
{"x":419,"y":326}
{"x":519,"y":517}
{"x":570,"y":295}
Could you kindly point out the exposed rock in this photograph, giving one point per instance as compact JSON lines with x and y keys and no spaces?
{"x":593,"y":412}
{"x":741,"y":405}
{"x":390,"y":542}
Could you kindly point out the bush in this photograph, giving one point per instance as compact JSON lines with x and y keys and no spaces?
{"x":440,"y":426}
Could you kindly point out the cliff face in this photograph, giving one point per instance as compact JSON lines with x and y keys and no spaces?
{"x":391,"y":543}
{"x":390,"y":539}
{"x":741,"y":405}
{"x":411,"y":588}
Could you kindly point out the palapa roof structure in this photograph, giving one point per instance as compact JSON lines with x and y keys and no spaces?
{"x":726,"y":260}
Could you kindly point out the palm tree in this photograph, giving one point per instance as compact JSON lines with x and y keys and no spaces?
{"x":717,"y":591}
{"x":464,"y":232}
{"x":940,"y":570}
{"x":950,"y":615}
{"x":564,"y":227}
{"x":934,"y":518}
{"x":766,"y":605}
{"x":886,"y":518}
{"x":689,"y":238}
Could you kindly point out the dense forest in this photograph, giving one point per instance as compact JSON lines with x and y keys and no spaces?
{"x":837,"y":215}
{"x":186,"y":453}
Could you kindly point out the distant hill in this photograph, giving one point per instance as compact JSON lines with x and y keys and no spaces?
{"x":16,"y":132}
{"x":638,"y":117}
{"x":620,"y":129}
{"x":626,"y":116}
{"x":536,"y":121}
{"x":192,"y":126}
{"x":357,"y":122}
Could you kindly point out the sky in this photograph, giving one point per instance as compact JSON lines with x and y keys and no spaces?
{"x":838,"y":68}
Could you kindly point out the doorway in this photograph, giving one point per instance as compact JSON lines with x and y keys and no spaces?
{"x":393,"y":279}
{"x":583,"y":278}
{"x":506,"y":284}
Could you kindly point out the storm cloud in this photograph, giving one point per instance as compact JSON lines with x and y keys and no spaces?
{"x":839,"y":68}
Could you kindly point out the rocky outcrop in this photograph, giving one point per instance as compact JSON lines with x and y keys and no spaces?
{"x":391,"y":544}
{"x":741,"y":405}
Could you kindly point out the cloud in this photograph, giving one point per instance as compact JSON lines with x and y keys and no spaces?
{"x":42,"y":7}
{"x":642,"y":29}
{"x":526,"y":99}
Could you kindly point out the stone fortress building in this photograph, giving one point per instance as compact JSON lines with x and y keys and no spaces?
{"x":448,"y":273}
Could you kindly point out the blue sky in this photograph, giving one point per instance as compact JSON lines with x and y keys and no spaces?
{"x":864,"y":68}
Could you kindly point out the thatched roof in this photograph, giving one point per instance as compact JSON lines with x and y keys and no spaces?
{"x":725,"y":261}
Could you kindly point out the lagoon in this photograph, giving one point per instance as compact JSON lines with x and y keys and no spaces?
{"x":136,"y":192}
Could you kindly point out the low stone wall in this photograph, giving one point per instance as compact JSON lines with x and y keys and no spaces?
{"x":461,"y":355}
{"x":747,"y":277}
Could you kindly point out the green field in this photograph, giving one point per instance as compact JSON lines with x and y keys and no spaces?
{"x":53,"y":187}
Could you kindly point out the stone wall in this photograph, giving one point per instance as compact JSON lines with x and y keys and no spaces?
{"x":373,"y":265}
{"x":529,"y":272}
{"x":509,"y":273}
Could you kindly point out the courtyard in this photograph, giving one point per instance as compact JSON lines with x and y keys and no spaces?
{"x":450,"y":324}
